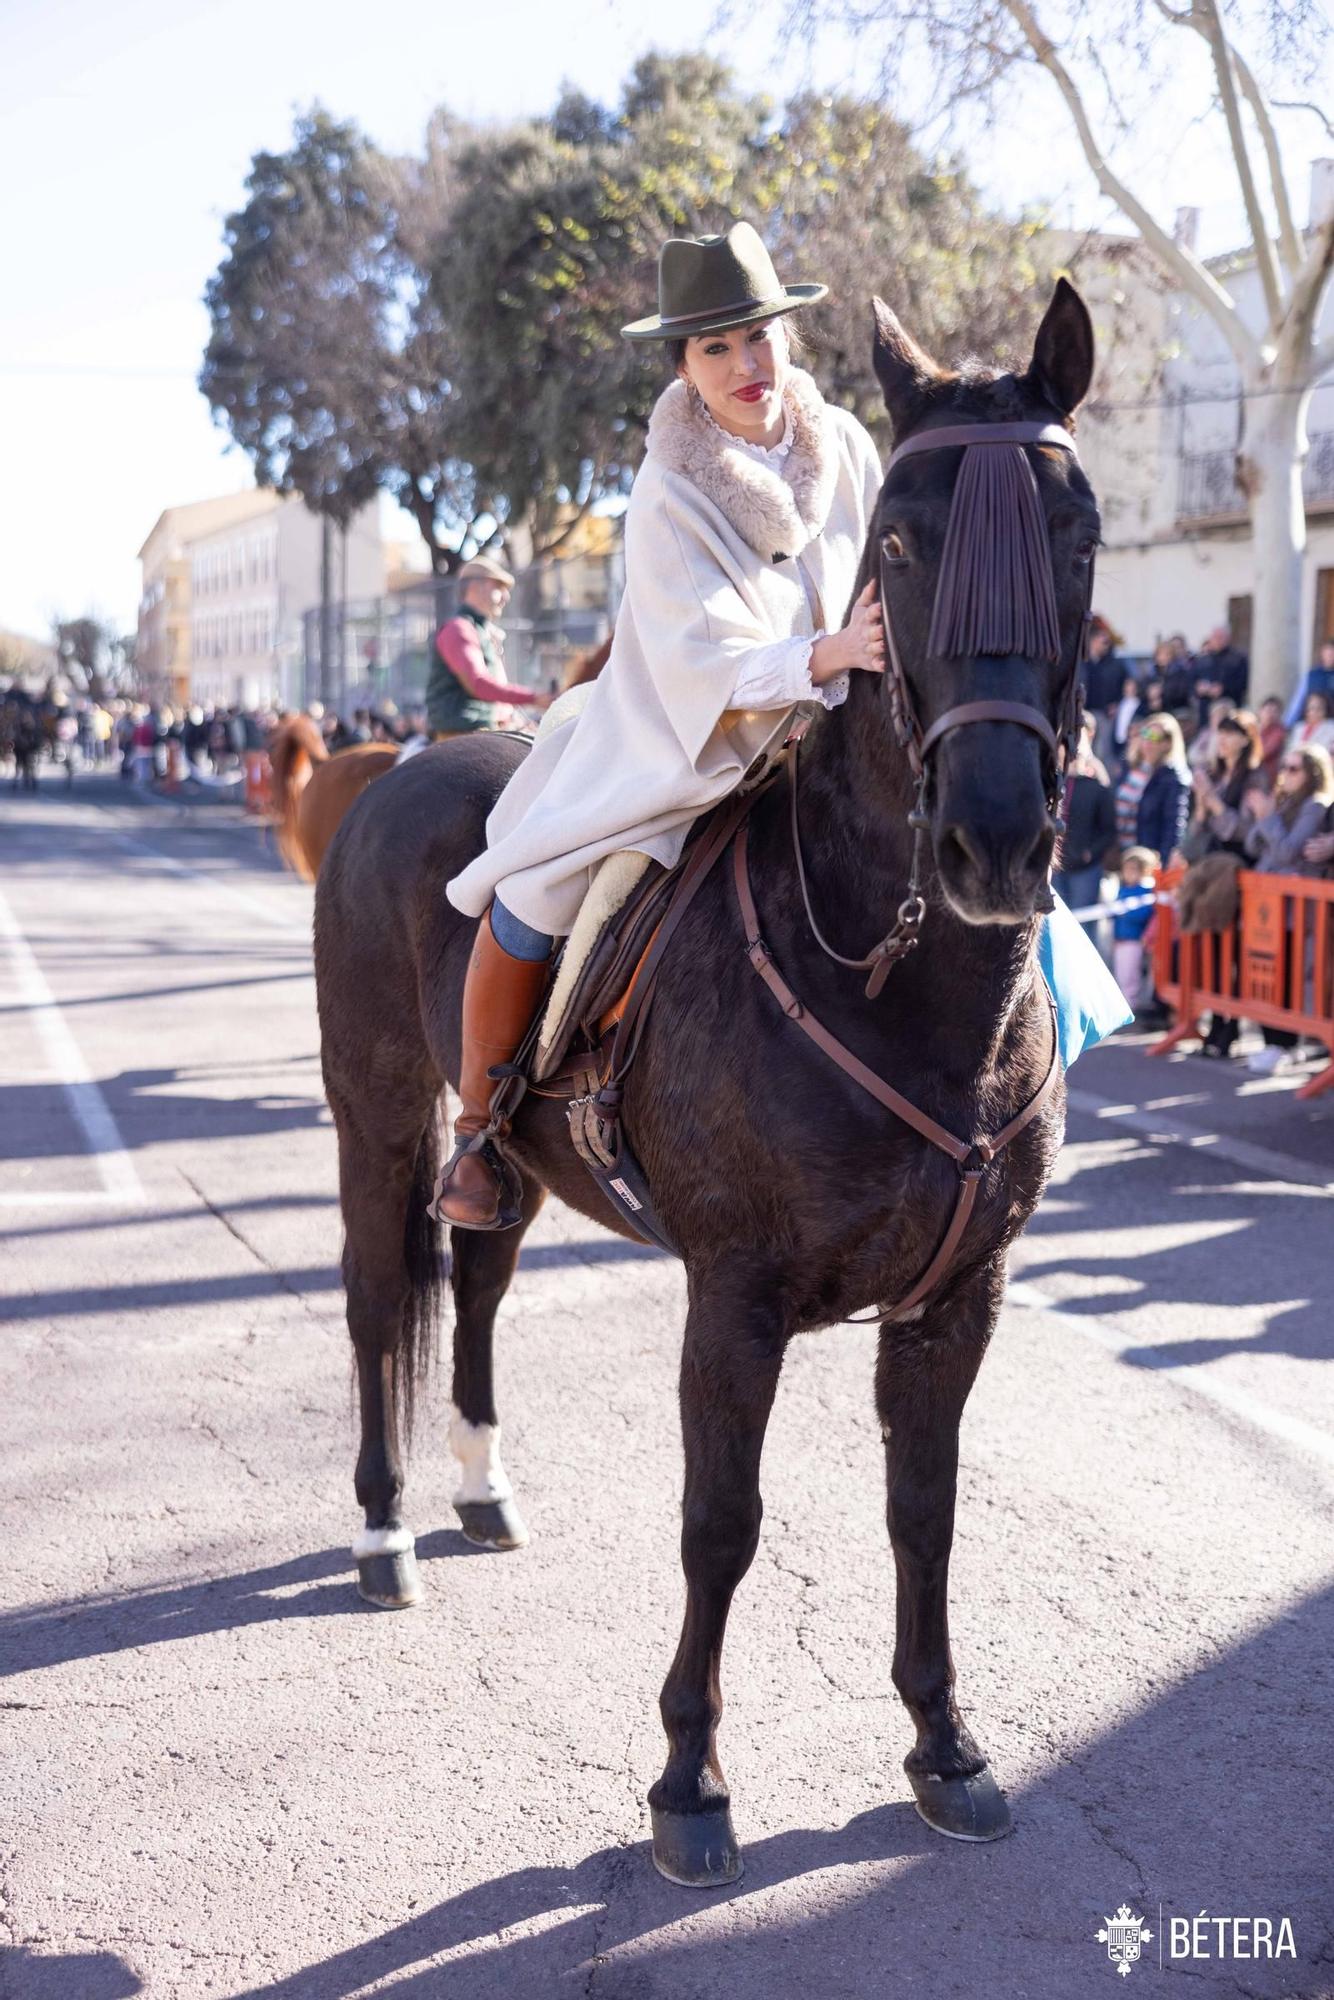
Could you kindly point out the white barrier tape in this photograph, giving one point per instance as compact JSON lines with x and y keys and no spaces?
{"x":1092,"y":910}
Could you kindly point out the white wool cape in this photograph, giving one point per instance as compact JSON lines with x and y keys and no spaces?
{"x":656,"y":744}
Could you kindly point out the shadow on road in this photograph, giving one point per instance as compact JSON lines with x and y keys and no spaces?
{"x":80,"y":1975}
{"x":168,"y":1294}
{"x":319,"y":1585}
{"x":1283,"y":1252}
{"x":1214,"y":1795}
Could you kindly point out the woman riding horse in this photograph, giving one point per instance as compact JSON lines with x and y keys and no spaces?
{"x":742,"y":540}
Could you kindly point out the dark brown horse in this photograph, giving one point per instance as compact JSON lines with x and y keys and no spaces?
{"x":796,"y":1198}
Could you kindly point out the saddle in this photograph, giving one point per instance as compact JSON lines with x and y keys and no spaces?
{"x":586,"y":1038}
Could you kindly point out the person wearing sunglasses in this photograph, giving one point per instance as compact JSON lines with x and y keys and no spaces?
{"x":1164,"y":804}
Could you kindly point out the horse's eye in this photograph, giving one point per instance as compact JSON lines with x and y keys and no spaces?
{"x":1084,"y":553}
{"x":894,"y":548}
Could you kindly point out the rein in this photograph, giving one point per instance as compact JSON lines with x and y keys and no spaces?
{"x":995,"y":546}
{"x":975,"y":517}
{"x":981,"y":509}
{"x":971,"y":1156}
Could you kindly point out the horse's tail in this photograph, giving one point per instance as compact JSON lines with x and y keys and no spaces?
{"x":587,"y":666}
{"x":294,"y":749}
{"x":427,"y":1270}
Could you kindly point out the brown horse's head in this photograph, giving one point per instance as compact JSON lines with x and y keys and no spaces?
{"x":984,"y":555}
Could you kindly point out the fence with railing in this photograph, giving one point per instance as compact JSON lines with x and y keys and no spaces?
{"x":1274,"y":966}
{"x":382,"y":647}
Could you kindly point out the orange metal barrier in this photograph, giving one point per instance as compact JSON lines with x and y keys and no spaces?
{"x":257,"y":777}
{"x":1275,"y":967}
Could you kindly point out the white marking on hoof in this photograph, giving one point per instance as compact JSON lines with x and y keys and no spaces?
{"x":382,"y":1542}
{"x":477,"y":1448}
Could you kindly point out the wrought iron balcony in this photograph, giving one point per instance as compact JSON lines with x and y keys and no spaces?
{"x":1207,"y":487}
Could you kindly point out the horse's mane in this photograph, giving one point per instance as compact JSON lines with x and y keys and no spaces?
{"x":295,"y":747}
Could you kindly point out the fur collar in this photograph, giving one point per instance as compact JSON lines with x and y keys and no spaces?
{"x":777,"y":513}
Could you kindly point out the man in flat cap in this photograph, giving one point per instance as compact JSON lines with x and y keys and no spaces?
{"x":468,"y":685}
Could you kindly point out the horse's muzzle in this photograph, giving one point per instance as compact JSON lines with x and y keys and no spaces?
{"x":992,"y":831}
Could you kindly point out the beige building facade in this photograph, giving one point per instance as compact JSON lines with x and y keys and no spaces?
{"x":252,"y":582}
{"x":225,"y":585}
{"x":164,"y":655}
{"x":1178,"y":554}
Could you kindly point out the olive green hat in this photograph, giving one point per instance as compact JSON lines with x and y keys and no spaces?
{"x":710,"y":282}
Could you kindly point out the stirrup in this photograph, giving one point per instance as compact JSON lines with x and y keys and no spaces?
{"x":509,"y":1184}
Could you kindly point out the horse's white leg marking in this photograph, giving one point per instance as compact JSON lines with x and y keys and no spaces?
{"x":477,"y":1448}
{"x":381,"y":1542}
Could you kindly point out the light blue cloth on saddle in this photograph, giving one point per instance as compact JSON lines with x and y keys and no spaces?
{"x":1089,"y":1003}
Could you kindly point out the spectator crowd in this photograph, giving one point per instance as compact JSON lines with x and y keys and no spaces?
{"x":150,"y":742}
{"x":1176,"y":770}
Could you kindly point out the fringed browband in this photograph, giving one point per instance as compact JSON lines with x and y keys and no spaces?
{"x":996,"y":593}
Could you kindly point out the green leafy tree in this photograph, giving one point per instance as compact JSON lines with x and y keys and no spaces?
{"x":319,"y":361}
{"x":448,"y":326}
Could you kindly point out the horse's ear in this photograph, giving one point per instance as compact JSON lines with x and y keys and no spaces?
{"x":1062,"y":364}
{"x":905,"y":371}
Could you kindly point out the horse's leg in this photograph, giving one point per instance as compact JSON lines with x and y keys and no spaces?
{"x":483,"y":1265}
{"x":387,"y":1156}
{"x":923,"y":1375}
{"x":729,"y":1371}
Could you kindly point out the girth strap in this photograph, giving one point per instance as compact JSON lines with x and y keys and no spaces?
{"x":971,"y":1157}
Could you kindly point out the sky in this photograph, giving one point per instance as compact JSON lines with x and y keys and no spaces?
{"x":125,"y":136}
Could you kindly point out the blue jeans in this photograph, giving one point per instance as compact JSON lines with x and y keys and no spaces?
{"x":1078,"y":887}
{"x":519,"y":939}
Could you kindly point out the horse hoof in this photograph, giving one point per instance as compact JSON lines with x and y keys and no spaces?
{"x":492,"y":1524}
{"x":696,"y":1850}
{"x":389,"y":1579}
{"x":963,"y":1808}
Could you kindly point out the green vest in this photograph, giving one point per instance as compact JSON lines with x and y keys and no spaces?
{"x":449,"y":706}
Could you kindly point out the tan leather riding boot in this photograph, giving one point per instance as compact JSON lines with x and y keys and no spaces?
{"x":499,"y":999}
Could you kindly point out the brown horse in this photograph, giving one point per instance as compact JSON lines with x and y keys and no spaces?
{"x":311,"y":790}
{"x":796,"y":1197}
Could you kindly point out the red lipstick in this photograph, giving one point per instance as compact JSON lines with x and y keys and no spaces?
{"x":752,"y":393}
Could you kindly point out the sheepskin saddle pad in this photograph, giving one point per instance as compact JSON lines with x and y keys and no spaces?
{"x":599,"y":958}
{"x":612,"y":931}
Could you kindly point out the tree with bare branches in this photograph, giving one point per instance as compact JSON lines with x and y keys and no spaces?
{"x":1093,"y":56}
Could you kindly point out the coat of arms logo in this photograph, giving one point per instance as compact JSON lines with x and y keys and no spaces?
{"x":1124,"y":1935}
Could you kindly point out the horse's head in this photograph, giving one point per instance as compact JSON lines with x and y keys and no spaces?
{"x":984,"y":554}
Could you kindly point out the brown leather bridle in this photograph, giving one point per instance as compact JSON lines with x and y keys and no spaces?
{"x":973,"y":1154}
{"x":1059,"y":739}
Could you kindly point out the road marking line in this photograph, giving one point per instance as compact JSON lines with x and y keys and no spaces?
{"x":1166,"y":1130}
{"x":1292,"y":1430}
{"x":91,"y":1111}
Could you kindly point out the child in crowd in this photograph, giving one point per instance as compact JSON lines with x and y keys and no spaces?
{"x":1139,"y":867}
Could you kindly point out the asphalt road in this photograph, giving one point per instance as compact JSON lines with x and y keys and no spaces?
{"x":221,"y":1775}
